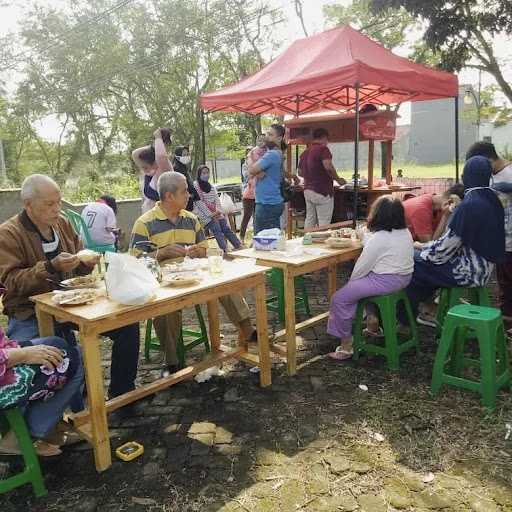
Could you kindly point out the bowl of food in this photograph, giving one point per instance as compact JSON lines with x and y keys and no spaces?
{"x":76,"y":283}
{"x":75,"y":297}
{"x":87,"y":256}
{"x":319,"y":237}
{"x":338,"y":243}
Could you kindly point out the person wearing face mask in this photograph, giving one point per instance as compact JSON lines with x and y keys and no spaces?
{"x":208,"y":209}
{"x":472,"y":244}
{"x":152,"y":161}
{"x":181,"y":164}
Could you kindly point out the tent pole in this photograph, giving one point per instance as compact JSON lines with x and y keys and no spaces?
{"x":203,"y":139}
{"x":457,"y":156}
{"x":356,"y":157}
{"x":297,"y":112}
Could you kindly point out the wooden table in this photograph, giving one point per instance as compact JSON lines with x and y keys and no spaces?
{"x":104,"y":315}
{"x":292,"y":266}
{"x":343,"y":201}
{"x":373,"y":194}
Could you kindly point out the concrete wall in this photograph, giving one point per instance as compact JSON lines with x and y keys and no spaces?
{"x":128,"y":210}
{"x":10,"y":203}
{"x":500,"y":136}
{"x":432,"y":136}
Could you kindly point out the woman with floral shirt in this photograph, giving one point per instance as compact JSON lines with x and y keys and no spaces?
{"x":41,"y":377}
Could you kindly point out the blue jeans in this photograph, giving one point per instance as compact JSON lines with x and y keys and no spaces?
{"x":426,"y":279}
{"x":220,"y":230}
{"x":42,"y":415}
{"x":267,"y":216}
{"x":125,"y":350}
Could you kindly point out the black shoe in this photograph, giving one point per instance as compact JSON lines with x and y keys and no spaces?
{"x":117,"y":417}
{"x":169,"y":370}
{"x":253,"y":338}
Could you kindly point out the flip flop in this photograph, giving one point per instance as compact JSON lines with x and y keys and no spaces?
{"x":341,"y":355}
{"x":428,"y":321}
{"x":65,"y":438}
{"x":42,"y":449}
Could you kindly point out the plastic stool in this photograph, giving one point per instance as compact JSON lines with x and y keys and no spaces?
{"x":392,"y":349}
{"x":12,"y":419}
{"x":486,"y":324}
{"x":187,"y":339}
{"x":276,"y":303}
{"x":450,"y":297}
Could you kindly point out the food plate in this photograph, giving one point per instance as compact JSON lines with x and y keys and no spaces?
{"x":187,"y":265}
{"x":76,"y":283}
{"x":180,"y":279}
{"x":75,"y":297}
{"x":338,"y":243}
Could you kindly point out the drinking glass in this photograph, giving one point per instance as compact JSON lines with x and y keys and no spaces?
{"x":215,"y":261}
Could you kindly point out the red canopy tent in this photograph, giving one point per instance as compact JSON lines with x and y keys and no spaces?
{"x":337,"y":70}
{"x":322,"y":72}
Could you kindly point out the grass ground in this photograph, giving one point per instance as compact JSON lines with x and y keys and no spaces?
{"x":410,"y":170}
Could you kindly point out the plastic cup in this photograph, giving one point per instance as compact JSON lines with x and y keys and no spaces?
{"x":215,"y":261}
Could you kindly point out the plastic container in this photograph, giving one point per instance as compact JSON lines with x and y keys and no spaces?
{"x":129,"y":451}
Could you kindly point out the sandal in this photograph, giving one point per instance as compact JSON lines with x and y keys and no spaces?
{"x":42,"y":448}
{"x":64,"y":438}
{"x":341,"y":354}
{"x":427,"y":320}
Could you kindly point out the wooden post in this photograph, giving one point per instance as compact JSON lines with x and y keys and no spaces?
{"x":389,"y":160}
{"x":371,"y":153}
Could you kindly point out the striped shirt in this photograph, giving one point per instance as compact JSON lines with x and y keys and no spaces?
{"x":154,"y":226}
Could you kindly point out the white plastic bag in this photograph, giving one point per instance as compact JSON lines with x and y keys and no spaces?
{"x":128,"y":280}
{"x":226,"y":203}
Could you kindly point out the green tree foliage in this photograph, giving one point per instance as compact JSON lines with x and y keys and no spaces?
{"x":388,"y":26}
{"x":111,"y":72}
{"x":461,"y":32}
